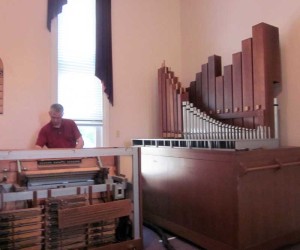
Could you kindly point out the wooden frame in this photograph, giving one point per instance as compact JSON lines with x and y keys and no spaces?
{"x":132,"y":203}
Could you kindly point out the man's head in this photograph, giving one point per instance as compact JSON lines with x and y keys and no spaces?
{"x":56,"y":113}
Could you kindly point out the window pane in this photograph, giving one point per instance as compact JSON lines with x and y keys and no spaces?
{"x":79,"y":91}
{"x":90,"y":135}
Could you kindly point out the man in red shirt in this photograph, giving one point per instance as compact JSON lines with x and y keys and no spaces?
{"x":59,"y":132}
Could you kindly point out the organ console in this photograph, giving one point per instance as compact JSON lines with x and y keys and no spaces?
{"x":70,"y":199}
{"x":216,"y":175}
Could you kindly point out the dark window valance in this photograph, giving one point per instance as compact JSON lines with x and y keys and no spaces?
{"x":104,"y":70}
{"x":54,"y":8}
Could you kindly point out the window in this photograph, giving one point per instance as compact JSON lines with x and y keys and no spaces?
{"x":79,"y":91}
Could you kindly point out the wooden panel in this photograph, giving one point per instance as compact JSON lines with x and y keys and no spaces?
{"x":237,"y":86}
{"x":176,"y":89}
{"x":175,"y":181}
{"x":88,"y":214}
{"x":198,"y":101}
{"x":240,"y":201}
{"x":169,"y":114}
{"x":214,"y":70}
{"x":161,"y":99}
{"x":220,"y":94}
{"x":164,"y":75}
{"x":266,"y":70}
{"x":192,"y":92}
{"x":228,"y":99}
{"x":205,"y":92}
{"x":247,"y":71}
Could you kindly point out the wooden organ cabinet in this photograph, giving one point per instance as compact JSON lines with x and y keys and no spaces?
{"x":70,"y":199}
{"x":217,"y":175}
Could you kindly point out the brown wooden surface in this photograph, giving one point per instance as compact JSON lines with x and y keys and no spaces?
{"x":214,"y":70}
{"x":212,"y":199}
{"x":266,"y":69}
{"x":228,"y":100}
{"x":198,"y":101}
{"x":176,"y":89}
{"x":93,"y":213}
{"x":205,"y":93}
{"x":220,"y":94}
{"x":192,"y":91}
{"x":237,"y":93}
{"x":247,"y":82}
{"x":161,"y":94}
{"x":171,"y":106}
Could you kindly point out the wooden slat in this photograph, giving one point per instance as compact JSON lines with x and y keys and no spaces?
{"x":49,"y":172}
{"x":266,"y":70}
{"x":193,"y":92}
{"x":166,"y":74}
{"x":228,"y":100}
{"x":220,"y":94}
{"x":198,"y":101}
{"x":247,"y":72}
{"x":237,"y":85}
{"x":161,"y":102}
{"x":175,"y":90}
{"x":205,"y":93}
{"x":93,"y":213}
{"x":170,"y":106}
{"x":214,"y":70}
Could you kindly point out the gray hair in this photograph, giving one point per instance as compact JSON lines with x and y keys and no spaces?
{"x":57,"y":108}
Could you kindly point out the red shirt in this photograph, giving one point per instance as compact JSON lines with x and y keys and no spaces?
{"x":63,"y":137}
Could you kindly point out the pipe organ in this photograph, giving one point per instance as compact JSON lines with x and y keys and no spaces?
{"x":70,"y":199}
{"x":243,"y":194}
{"x":237,"y":104}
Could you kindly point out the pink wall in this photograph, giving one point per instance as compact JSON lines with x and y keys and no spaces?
{"x":145,"y":33}
{"x":25,"y":49}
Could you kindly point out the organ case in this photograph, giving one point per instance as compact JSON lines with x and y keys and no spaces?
{"x":243,"y":192}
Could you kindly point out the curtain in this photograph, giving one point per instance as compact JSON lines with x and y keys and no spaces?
{"x":54,"y":8}
{"x":104,"y":69}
